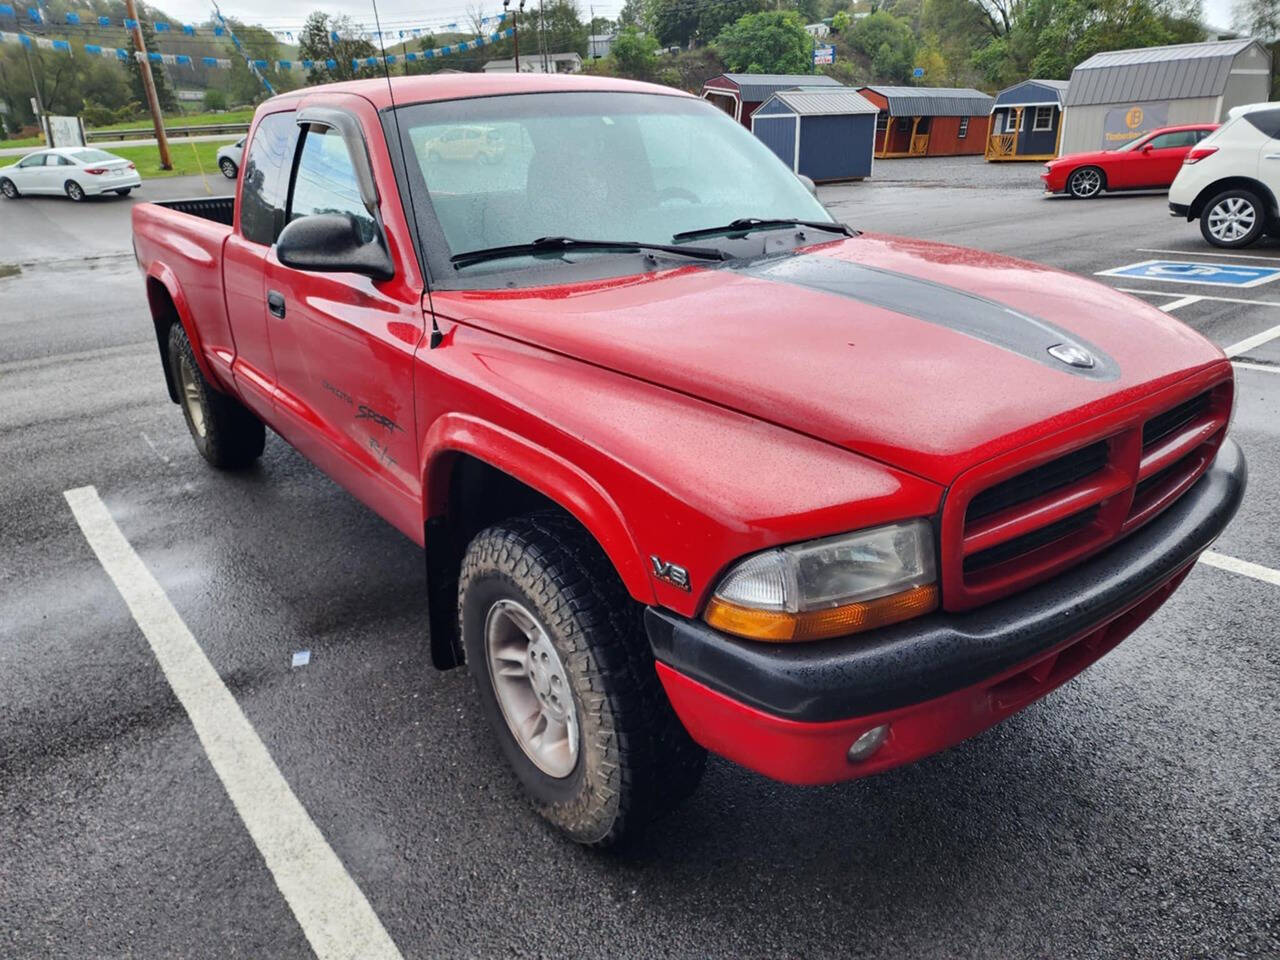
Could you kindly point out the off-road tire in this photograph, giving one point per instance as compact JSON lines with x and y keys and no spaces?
{"x":635,"y":760}
{"x":1251,"y":235}
{"x":232,"y":438}
{"x":9,"y":189}
{"x":1086,"y":183}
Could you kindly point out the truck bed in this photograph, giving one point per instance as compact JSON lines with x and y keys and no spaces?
{"x":218,"y":209}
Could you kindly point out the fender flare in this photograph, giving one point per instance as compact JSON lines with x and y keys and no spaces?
{"x":542,"y":470}
{"x":162,"y":274}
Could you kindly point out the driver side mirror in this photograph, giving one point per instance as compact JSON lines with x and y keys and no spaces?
{"x":332,"y":243}
{"x":1148,"y":148}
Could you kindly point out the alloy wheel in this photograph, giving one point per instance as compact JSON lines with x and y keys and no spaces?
{"x":1231,"y":219}
{"x":1085,"y":183}
{"x":532,"y":688}
{"x":191,"y":397}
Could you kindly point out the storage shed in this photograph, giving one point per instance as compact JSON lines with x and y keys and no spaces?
{"x":1026,"y":120}
{"x":823,"y":134}
{"x":930,"y":121}
{"x":740,"y":94}
{"x":1118,"y":96}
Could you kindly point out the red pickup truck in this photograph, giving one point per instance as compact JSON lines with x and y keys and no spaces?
{"x":695,"y":467}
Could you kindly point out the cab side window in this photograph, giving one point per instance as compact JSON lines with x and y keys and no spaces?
{"x":325,"y":181}
{"x":36,"y":161}
{"x":1179,"y":138}
{"x":262,"y":195}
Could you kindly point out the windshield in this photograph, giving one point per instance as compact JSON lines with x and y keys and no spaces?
{"x":508,"y":170}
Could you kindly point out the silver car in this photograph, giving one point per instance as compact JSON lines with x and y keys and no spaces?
{"x":229,"y":158}
{"x":77,"y":172}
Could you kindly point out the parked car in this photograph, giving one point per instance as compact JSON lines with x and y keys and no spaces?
{"x":1150,"y":162}
{"x":77,"y":172}
{"x":1230,"y":181}
{"x":695,"y":467}
{"x":229,"y":158}
{"x":465,"y":143}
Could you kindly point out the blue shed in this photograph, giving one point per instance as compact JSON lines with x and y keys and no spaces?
{"x":824,"y":134}
{"x":1026,"y":121}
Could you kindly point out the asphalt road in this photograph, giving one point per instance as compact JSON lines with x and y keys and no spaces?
{"x":1133,"y":813}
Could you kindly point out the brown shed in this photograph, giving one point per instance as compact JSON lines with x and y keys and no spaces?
{"x":929,"y":121}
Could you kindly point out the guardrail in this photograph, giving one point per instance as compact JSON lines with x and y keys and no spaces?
{"x":148,"y":133}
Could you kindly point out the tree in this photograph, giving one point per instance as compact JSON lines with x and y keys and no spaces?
{"x":888,"y":43}
{"x":316,"y":43}
{"x":1257,"y":18}
{"x":768,"y":42}
{"x":215,"y":99}
{"x":634,"y":54}
{"x":159,"y":78}
{"x":840,"y":22}
{"x":682,"y":23}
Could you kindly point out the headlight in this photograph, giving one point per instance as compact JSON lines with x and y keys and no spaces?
{"x":831,"y":587}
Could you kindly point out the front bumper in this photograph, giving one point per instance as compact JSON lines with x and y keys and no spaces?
{"x":791,"y":712}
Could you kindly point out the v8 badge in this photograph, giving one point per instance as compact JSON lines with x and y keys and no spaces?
{"x":671,"y":573}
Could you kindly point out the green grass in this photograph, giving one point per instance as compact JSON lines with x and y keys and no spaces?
{"x":243,"y":115}
{"x":188,"y":158}
{"x":23,"y":142}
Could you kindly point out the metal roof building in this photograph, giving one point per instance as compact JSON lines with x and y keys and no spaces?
{"x":825,"y":134}
{"x":1120,"y":95}
{"x":740,"y":94}
{"x":929,"y":121}
{"x":1026,"y":119}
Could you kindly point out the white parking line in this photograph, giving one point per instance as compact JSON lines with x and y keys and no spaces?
{"x":1242,"y":567}
{"x":1180,"y":302}
{"x":1248,"y":343}
{"x":1206,"y":253}
{"x":334,"y":915}
{"x":1203,"y":296}
{"x":1261,"y":367}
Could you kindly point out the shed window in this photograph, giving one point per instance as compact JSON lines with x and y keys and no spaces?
{"x":1011,"y":121}
{"x":964,"y":128}
{"x":1043,"y":119}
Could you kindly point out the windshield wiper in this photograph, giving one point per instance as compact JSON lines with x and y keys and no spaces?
{"x":747,"y":224}
{"x":554,"y":244}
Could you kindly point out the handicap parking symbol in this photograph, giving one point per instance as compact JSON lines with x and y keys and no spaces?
{"x":1188,"y":271}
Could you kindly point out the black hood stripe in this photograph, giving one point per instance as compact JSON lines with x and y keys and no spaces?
{"x":958,"y":310}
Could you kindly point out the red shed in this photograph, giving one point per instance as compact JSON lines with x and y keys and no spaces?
{"x":740,"y":94}
{"x":930,"y":121}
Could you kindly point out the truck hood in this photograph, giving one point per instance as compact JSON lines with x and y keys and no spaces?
{"x":923,"y":356}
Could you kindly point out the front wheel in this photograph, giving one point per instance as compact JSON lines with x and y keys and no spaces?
{"x":74,"y":190}
{"x":1085,"y":183}
{"x":228,"y":167}
{"x":1234,"y":218}
{"x":225,"y":432}
{"x":8,"y":189}
{"x":567,"y":680}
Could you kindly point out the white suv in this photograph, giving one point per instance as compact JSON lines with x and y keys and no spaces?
{"x":1231,"y":178}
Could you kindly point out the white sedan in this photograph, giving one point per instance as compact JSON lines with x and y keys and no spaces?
{"x":77,"y":172}
{"x":229,"y":158}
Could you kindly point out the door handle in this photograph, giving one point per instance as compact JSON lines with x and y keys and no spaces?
{"x":1272,"y":156}
{"x":275,"y":303}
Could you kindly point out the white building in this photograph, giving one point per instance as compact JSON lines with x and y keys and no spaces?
{"x":533,"y":62}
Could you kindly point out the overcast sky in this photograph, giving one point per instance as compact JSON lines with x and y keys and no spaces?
{"x":293,"y":12}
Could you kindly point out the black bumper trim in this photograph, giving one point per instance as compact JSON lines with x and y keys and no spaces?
{"x":1180,"y":210}
{"x":944,"y":652}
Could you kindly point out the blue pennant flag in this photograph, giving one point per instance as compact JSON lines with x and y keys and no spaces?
{"x":35,"y":15}
{"x":93,"y":48}
{"x":130,"y":24}
{"x":218,"y":31}
{"x":161,"y":27}
{"x":261,"y":64}
{"x":333,"y":64}
{"x":155,"y":57}
{"x":308,"y":64}
{"x":355,"y":64}
{"x":209,"y":61}
{"x":62,"y":45}
{"x":189,"y":30}
{"x":7,"y":11}
{"x":428,"y":54}
{"x":184,"y":59}
{"x":391,"y":58}
{"x":284,"y":64}
{"x":334,"y":36}
{"x":73,"y":19}
{"x":411,"y":57}
{"x":104,"y":21}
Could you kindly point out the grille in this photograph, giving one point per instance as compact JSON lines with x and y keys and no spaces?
{"x":1023,"y":529}
{"x":1159,"y":427}
{"x":1045,"y":478}
{"x":1029,"y":541}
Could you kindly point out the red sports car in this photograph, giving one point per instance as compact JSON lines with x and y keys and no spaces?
{"x":1151,"y":161}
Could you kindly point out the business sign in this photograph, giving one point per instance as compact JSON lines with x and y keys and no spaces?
{"x":824,"y":53}
{"x":918,"y":72}
{"x":64,"y":131}
{"x":1126,"y":124}
{"x":1190,"y":271}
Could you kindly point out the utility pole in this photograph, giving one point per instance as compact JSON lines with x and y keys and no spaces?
{"x":35,"y":85}
{"x":515,"y":29}
{"x":542,"y":39}
{"x":148,"y":84}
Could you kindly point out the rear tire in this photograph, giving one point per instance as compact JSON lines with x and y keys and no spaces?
{"x":1086,"y":183}
{"x":74,"y":190}
{"x":1234,"y":218}
{"x":223,"y":430}
{"x":9,"y":189}
{"x":541,"y":583}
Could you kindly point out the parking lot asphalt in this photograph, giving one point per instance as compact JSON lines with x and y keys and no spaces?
{"x":1133,"y":813}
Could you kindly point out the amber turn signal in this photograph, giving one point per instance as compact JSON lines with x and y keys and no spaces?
{"x":781,"y":627}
